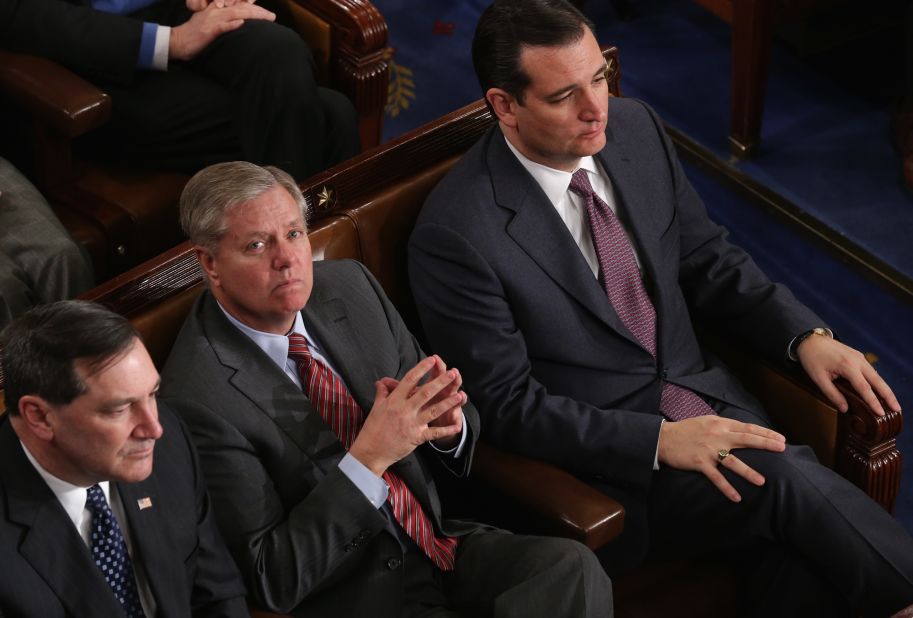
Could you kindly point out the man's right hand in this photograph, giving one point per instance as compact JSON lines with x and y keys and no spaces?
{"x":400,"y":418}
{"x":695,"y":443}
{"x":203,"y":27}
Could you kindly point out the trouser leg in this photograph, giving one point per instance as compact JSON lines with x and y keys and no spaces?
{"x":250,"y":95}
{"x":855,"y":548}
{"x":281,"y":114}
{"x":504,"y":576}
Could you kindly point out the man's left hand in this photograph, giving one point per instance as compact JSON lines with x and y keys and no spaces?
{"x":825,"y":359}
{"x":451,"y":418}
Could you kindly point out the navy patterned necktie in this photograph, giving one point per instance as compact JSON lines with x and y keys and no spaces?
{"x":345,"y":417}
{"x":625,"y":289}
{"x":109,"y":550}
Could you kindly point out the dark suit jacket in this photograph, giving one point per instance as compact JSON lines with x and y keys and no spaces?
{"x":48,"y":569}
{"x":505,"y":294}
{"x":305,"y":537}
{"x":93,"y":43}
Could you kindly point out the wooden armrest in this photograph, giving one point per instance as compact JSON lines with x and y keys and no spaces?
{"x":53,"y":94}
{"x":357,"y":62}
{"x":564,"y":504}
{"x":359,"y":25}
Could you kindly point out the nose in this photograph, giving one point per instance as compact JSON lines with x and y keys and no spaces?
{"x":148,"y":427}
{"x":592,"y":107}
{"x":283,"y":255}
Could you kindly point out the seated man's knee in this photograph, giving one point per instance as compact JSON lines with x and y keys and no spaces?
{"x":273,"y":49}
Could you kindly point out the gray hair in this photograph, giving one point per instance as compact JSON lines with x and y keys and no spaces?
{"x":215,"y":190}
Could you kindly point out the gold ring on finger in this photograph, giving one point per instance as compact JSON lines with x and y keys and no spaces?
{"x":722,"y":454}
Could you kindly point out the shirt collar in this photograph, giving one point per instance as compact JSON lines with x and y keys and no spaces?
{"x":71,"y":497}
{"x":554,"y":182}
{"x":275,"y":346}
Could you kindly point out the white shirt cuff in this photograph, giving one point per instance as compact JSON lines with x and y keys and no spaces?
{"x":160,"y":52}
{"x":458,"y":449}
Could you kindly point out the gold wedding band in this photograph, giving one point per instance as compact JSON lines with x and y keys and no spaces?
{"x":722,"y":454}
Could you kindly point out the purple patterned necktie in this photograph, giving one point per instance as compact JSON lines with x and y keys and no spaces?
{"x":109,"y":550}
{"x":625,"y":289}
{"x":345,"y":417}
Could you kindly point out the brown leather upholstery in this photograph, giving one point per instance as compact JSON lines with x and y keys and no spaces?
{"x":365,"y":209}
{"x":124,"y":215}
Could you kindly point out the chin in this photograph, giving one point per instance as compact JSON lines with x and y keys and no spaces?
{"x":134,"y":471}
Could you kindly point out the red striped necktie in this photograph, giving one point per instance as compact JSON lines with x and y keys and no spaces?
{"x":345,"y":417}
{"x":625,"y":288}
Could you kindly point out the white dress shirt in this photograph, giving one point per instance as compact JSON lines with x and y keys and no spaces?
{"x":73,"y":500}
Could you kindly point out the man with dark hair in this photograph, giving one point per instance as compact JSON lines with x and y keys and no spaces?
{"x":317,"y":417}
{"x":103,"y":511}
{"x":192,"y":82}
{"x":559,"y":264}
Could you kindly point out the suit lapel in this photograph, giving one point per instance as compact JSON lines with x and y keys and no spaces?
{"x":539,"y":231}
{"x":160,"y":559}
{"x":258,"y":379}
{"x":51,"y":544}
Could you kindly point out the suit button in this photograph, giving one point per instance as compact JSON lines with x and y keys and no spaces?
{"x":349,"y":546}
{"x":393,"y":563}
{"x":364,"y":535}
{"x":665,"y":372}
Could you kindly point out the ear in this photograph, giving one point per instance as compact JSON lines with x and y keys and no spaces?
{"x":504,"y":105}
{"x":208,"y":264}
{"x":34,"y":413}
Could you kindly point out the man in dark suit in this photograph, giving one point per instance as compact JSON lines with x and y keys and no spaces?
{"x":559,"y":265}
{"x":192,"y":82}
{"x":103,"y":510}
{"x":317,"y":417}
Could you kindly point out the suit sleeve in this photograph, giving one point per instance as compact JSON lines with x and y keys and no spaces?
{"x":93,"y":43}
{"x":722,"y":284}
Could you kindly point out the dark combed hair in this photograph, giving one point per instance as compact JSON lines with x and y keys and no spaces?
{"x":41,"y":347}
{"x":507,"y":26}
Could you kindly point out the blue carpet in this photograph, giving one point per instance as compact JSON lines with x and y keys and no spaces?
{"x":825,"y":149}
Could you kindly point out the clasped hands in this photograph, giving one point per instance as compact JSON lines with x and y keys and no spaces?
{"x":695,"y":443}
{"x":408,"y":413}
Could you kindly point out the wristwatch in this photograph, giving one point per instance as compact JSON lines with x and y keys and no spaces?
{"x":794,"y":346}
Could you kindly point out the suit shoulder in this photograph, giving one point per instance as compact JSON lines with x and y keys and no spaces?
{"x":632,"y":119}
{"x":465,"y":186}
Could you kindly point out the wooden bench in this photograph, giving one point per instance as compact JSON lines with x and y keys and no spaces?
{"x":365,"y":209}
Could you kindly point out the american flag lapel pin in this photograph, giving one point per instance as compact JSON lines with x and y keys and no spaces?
{"x":144,"y":503}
